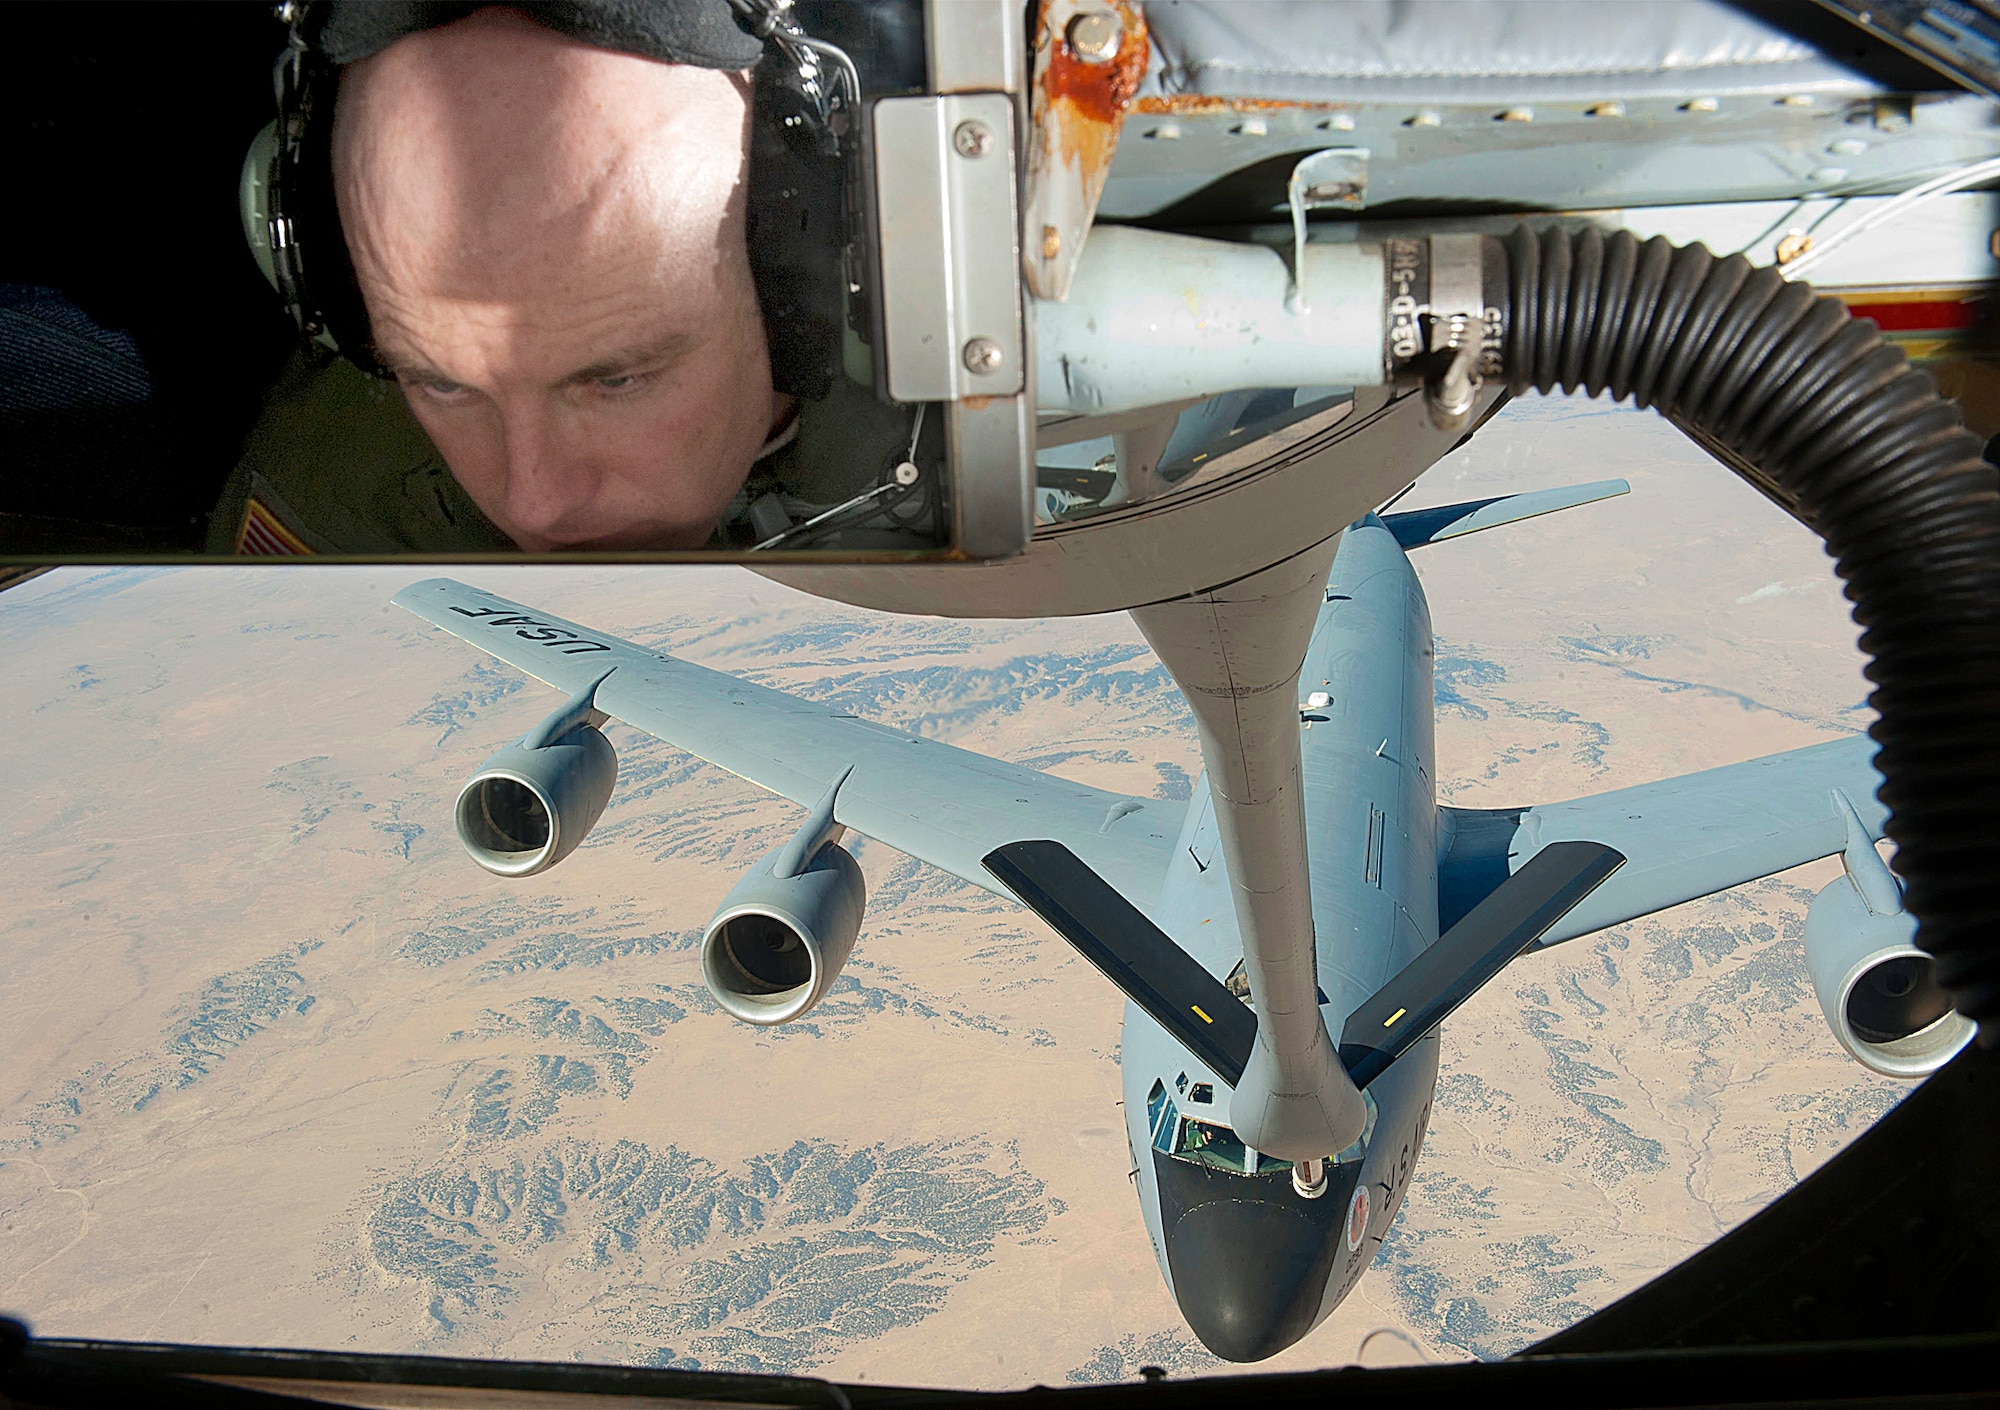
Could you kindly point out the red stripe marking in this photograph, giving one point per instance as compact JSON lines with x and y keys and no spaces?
{"x":1954,"y":315}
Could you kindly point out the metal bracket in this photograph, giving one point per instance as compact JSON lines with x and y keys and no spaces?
{"x":1336,"y":177}
{"x":949,"y":233}
{"x":1090,"y":57}
{"x":1457,"y":330}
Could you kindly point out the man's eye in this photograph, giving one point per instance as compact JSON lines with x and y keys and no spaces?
{"x":626,"y":382}
{"x":443,"y":389}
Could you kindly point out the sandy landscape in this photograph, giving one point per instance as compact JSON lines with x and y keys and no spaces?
{"x":283,"y":1067}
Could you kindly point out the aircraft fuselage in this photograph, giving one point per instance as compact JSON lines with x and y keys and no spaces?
{"x":1253,"y":1263}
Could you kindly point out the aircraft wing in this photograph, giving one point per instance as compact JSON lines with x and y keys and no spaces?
{"x":1682,"y":837}
{"x":946,"y":806}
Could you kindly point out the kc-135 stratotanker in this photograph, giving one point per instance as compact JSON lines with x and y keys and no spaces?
{"x":1260,"y":1226}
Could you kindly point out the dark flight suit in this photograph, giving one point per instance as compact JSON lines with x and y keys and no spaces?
{"x":336,"y":464}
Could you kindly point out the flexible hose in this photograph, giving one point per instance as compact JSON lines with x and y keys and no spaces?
{"x":1815,"y":410}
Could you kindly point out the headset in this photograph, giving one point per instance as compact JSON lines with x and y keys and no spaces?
{"x":807,"y":224}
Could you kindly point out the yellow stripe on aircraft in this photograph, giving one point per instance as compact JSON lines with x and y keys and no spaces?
{"x":1199,"y":1014}
{"x":1393,"y":1017}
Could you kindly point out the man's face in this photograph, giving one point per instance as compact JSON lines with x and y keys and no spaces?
{"x":550,"y":241}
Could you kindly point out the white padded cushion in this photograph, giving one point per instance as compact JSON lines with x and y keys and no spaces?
{"x":1488,"y":50}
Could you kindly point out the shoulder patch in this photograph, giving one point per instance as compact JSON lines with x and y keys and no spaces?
{"x":265,"y":535}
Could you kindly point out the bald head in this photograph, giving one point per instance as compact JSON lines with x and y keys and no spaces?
{"x":549,"y":238}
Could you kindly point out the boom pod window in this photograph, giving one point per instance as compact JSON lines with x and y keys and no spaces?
{"x":524,"y":280}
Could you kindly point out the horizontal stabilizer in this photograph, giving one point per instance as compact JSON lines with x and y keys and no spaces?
{"x":1515,"y":915}
{"x":1133,"y":953}
{"x":1418,"y":527}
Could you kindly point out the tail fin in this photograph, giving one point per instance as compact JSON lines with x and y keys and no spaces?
{"x":1449,"y":521}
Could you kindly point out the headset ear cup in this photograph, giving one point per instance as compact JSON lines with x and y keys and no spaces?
{"x":303,"y":250}
{"x":342,"y":314}
{"x":797,"y":243}
{"x":253,"y":199}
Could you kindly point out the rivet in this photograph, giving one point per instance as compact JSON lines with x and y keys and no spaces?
{"x":1796,"y":100}
{"x":1700,"y":105}
{"x":1251,"y":127}
{"x":1828,"y":175}
{"x":1339,"y":122}
{"x":1795,"y":243}
{"x":1165,"y":132}
{"x":1605,"y":110}
{"x":1094,"y":36}
{"x":1515,"y":115}
{"x":1426,"y":118}
{"x":1051,"y":242}
{"x":983,"y":355}
{"x":972,"y":138}
{"x":1847,"y":147}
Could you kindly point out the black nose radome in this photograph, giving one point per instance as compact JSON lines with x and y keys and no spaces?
{"x":1250,"y":1259}
{"x":1249,"y":1275}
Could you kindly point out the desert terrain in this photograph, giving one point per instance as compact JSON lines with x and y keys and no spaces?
{"x":281,"y":1066}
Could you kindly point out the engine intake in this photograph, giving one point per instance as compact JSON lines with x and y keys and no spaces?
{"x":781,"y":935}
{"x":530,"y":805}
{"x":1879,"y":992}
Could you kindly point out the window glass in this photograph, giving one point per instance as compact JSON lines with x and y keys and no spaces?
{"x":1217,"y":1147}
{"x":1360,"y":1146}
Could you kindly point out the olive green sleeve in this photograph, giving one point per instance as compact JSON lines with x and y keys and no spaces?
{"x":337,"y":462}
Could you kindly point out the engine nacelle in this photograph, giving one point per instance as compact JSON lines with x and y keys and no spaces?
{"x":531,"y":804}
{"x":781,"y":935}
{"x":1879,"y":992}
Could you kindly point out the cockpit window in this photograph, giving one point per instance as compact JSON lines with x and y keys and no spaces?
{"x":1217,"y":1147}
{"x":1360,"y":1146}
{"x":1205,"y":1143}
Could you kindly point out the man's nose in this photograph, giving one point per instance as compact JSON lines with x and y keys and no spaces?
{"x":550,"y":475}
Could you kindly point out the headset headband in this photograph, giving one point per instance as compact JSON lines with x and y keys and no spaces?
{"x":819,"y":91}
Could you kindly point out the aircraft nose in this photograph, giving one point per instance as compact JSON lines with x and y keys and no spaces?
{"x":1249,"y":1273}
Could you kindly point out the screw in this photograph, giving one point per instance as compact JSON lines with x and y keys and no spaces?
{"x":1094,"y":36}
{"x":972,"y":138}
{"x":907,"y":474}
{"x":983,"y":355}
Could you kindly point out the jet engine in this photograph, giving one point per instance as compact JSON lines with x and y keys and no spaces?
{"x":1879,"y":992}
{"x":782,"y":933}
{"x":531,"y":804}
